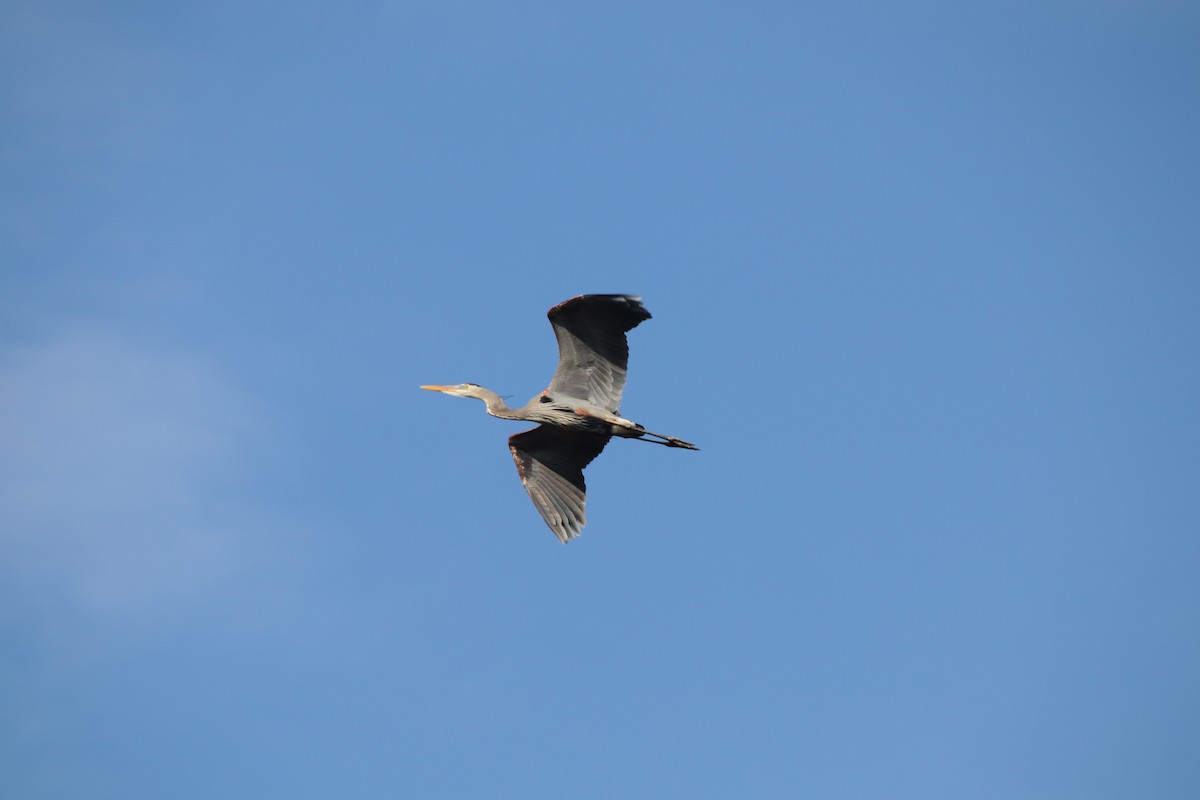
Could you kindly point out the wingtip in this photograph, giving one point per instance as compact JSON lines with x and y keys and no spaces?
{"x":564,"y":532}
{"x":632,"y":301}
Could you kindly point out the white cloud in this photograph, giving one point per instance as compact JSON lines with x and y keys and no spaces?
{"x":118,"y":474}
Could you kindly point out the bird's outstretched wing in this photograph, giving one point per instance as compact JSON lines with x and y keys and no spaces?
{"x":592,"y":350}
{"x":550,"y":461}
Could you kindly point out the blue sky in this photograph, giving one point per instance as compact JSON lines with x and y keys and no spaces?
{"x":925,"y":281}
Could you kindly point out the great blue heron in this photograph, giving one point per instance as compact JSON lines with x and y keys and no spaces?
{"x":579,"y":412}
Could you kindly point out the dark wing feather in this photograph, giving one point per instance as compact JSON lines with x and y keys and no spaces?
{"x":550,"y":461}
{"x":592,"y":350}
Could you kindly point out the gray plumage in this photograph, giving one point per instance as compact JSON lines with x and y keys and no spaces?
{"x":579,"y":412}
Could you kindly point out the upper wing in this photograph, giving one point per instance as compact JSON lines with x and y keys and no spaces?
{"x":592,"y":351}
{"x":550,"y":461}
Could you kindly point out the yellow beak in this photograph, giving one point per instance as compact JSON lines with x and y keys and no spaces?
{"x":437,"y":388}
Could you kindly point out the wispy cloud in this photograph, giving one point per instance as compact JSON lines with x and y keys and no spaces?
{"x":118,"y":474}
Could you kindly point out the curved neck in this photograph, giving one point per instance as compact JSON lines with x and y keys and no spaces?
{"x":495,"y":404}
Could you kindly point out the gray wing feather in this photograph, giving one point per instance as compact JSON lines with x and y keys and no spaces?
{"x":550,"y":461}
{"x":592,"y":350}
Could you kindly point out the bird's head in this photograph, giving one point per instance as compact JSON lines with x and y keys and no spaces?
{"x":461,"y":390}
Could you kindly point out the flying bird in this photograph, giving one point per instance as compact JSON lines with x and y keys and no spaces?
{"x":579,"y":412}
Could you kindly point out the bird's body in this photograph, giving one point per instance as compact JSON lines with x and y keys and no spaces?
{"x":579,"y":412}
